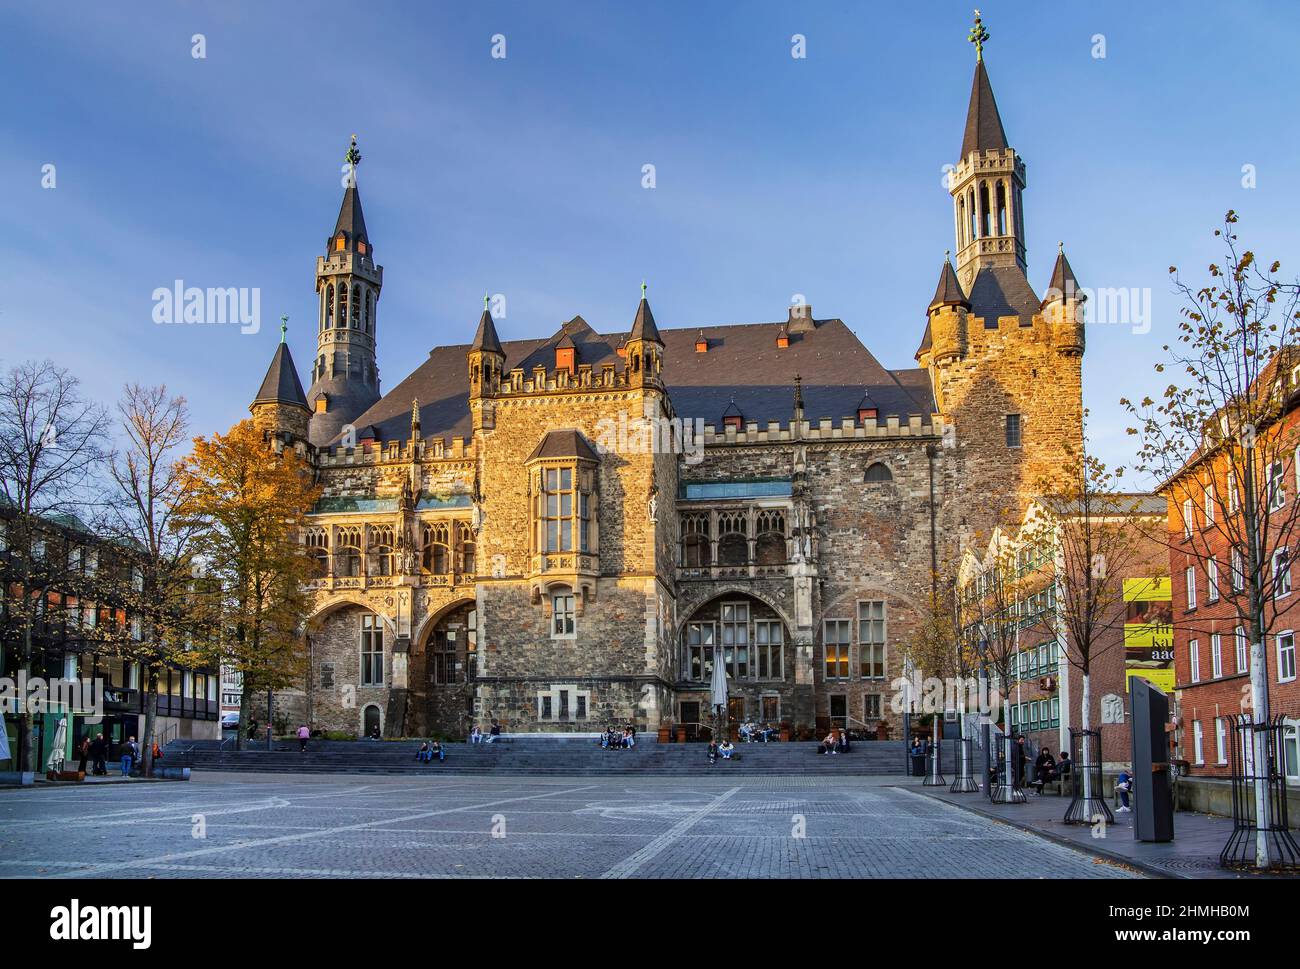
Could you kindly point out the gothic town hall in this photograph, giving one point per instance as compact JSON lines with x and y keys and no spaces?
{"x":531,"y":530}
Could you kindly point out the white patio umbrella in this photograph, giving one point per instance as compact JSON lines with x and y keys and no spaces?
{"x":718,"y":691}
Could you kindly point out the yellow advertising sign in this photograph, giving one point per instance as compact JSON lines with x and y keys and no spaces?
{"x":1149,"y":631}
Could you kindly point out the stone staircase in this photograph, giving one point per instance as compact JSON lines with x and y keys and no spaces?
{"x":538,"y":755}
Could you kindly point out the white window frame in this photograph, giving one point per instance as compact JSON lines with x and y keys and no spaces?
{"x":1194,"y":658}
{"x":1198,"y":742}
{"x":1281,"y":577}
{"x":1242,"y":648}
{"x":1277,"y":486}
{"x":1191,"y":588}
{"x":1209,"y":503}
{"x":1189,"y":517}
{"x":1221,"y":739}
{"x":1216,"y":655}
{"x":1212,"y":579}
{"x":1286,"y":658}
{"x":1238,"y":571}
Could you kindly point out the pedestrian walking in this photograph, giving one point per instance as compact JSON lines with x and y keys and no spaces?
{"x":303,"y":734}
{"x":130,"y":753}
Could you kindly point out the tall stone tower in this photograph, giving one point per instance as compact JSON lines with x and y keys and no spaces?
{"x":1006,"y":366}
{"x":345,"y":378}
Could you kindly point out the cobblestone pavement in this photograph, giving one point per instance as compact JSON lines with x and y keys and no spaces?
{"x":224,"y":825}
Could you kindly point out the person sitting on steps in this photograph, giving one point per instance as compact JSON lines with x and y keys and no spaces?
{"x":726,"y":749}
{"x":1044,"y":769}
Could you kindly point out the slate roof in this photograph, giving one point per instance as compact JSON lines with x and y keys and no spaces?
{"x":1063,"y":279}
{"x":486,"y":337}
{"x":351,"y":220}
{"x":983,"y":123}
{"x":566,"y":443}
{"x":1003,"y":291}
{"x":281,"y":384}
{"x":948,"y":292}
{"x":643,"y":327}
{"x":743,"y":362}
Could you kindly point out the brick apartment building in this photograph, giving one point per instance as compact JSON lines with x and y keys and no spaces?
{"x":1208,"y":567}
{"x":1045,"y":696}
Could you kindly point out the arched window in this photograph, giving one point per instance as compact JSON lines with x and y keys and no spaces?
{"x":1002,"y":209}
{"x":342,"y":313}
{"x":986,"y":227}
{"x":329,"y":305}
{"x":436,"y":559}
{"x":380,"y":550}
{"x":696,"y":551}
{"x":347,"y":553}
{"x":769,"y":547}
{"x":464,"y":548}
{"x":370,"y":313}
{"x":879,"y":473}
{"x":733,"y":538}
{"x":318,"y":545}
{"x":356,"y":307}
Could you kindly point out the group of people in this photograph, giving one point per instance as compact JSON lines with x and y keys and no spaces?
{"x":97,"y":750}
{"x":835,"y":742}
{"x":615,"y":739}
{"x":751,"y":732}
{"x":429,"y":750}
{"x":725,"y":750}
{"x":1046,"y":767}
{"x":477,"y":736}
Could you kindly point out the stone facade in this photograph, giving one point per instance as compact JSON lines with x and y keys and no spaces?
{"x":559,"y":534}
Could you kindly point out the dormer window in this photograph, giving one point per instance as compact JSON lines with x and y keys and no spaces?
{"x":361,"y":246}
{"x":340,"y":243}
{"x":566,"y":357}
{"x":867,"y":410}
{"x":782,"y":339}
{"x":732,"y":417}
{"x":701,"y":343}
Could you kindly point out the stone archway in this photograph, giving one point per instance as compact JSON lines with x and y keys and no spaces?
{"x":754,"y":637}
{"x":444,"y":658}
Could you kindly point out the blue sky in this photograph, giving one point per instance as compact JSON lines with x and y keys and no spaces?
{"x":522,"y":175}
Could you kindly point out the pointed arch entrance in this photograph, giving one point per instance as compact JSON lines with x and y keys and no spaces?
{"x":444,"y":665}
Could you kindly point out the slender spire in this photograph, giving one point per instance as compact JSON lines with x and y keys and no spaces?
{"x":486,"y":338}
{"x":284,"y":327}
{"x":1064,"y":284}
{"x":415,"y":417}
{"x":949,"y":291}
{"x":643,"y":327}
{"x":984,"y":129}
{"x":351,"y":221}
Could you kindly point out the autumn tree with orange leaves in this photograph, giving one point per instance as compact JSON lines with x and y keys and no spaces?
{"x":248,"y":504}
